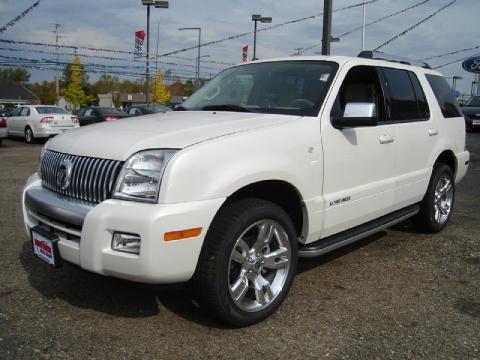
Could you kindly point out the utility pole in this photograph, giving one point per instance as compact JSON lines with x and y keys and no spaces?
{"x":327,"y":27}
{"x":56,"y":32}
{"x":147,"y":90}
{"x":363,"y":25}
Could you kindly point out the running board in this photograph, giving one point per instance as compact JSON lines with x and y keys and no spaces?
{"x":346,"y":237}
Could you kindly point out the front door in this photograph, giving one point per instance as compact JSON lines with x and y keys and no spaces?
{"x":359,"y":162}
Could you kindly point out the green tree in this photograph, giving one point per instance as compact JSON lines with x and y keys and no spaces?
{"x":13,"y":75}
{"x":74,"y":92}
{"x":189,"y":88}
{"x":161,"y":94}
{"x":45,"y":91}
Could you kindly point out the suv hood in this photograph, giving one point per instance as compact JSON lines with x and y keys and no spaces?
{"x":119,"y":139}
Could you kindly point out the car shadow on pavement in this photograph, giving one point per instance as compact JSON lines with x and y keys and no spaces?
{"x":86,"y":290}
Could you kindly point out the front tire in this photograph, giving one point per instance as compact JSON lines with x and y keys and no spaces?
{"x":437,"y":206}
{"x":247,"y":263}
{"x":29,"y":137}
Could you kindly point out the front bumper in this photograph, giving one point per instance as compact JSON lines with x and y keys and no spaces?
{"x":86,"y":231}
{"x":463,"y":159}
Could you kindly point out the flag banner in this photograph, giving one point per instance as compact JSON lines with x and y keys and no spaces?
{"x":245,"y":53}
{"x":139,"y":38}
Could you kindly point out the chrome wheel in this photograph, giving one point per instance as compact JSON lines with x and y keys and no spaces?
{"x":28,"y":135}
{"x":259,"y":265}
{"x":443,"y":199}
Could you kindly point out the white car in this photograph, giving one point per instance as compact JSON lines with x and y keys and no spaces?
{"x":40,"y":121}
{"x":270,"y":161}
{"x":3,"y":128}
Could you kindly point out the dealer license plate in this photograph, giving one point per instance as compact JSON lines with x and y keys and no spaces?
{"x":44,"y":244}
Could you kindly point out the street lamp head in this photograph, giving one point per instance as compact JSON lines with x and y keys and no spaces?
{"x":256,"y":17}
{"x":266,"y":19}
{"x":163,"y":4}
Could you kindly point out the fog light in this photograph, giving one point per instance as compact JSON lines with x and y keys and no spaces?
{"x":129,"y":243}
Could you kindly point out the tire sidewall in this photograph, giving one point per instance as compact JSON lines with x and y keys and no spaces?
{"x":439,"y":171}
{"x":27,"y":130}
{"x":268,"y":212}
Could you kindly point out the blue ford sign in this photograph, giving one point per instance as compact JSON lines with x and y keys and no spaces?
{"x":472,"y":64}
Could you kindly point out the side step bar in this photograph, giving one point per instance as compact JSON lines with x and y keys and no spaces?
{"x":349,"y":236}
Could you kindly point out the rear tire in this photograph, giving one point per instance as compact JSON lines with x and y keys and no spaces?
{"x":436,"y":207}
{"x":29,"y":137}
{"x":247,"y":263}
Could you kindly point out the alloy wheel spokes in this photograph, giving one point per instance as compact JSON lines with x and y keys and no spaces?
{"x":276,"y":259}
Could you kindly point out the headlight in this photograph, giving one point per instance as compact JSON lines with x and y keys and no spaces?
{"x":40,"y":159}
{"x":141,"y":175}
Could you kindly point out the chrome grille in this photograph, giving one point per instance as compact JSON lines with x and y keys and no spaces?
{"x":91,"y":179}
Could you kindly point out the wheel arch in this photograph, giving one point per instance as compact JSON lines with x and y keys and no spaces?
{"x":448,"y":158}
{"x":280,"y":192}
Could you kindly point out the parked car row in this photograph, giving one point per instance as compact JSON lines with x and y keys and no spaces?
{"x":42,"y":121}
{"x":471,"y":111}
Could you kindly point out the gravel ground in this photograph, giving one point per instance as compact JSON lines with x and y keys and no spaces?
{"x":397,"y":294}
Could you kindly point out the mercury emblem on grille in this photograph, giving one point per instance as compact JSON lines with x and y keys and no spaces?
{"x":64,"y":173}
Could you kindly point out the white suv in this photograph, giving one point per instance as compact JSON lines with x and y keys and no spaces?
{"x":270,"y":161}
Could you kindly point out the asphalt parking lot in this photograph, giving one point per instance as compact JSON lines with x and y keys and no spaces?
{"x":397,"y":294}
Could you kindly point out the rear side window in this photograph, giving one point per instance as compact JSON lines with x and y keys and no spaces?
{"x":401,"y":102}
{"x":443,"y":93}
{"x":422,"y":104}
{"x":51,"y":110}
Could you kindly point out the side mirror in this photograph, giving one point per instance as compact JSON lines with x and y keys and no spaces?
{"x":357,"y":114}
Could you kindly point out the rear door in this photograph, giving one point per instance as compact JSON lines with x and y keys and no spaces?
{"x":359,"y":162}
{"x":408,"y":111}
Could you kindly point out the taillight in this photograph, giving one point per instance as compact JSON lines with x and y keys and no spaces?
{"x":3,"y":123}
{"x":46,"y":119}
{"x":75,"y":119}
{"x":110,"y":118}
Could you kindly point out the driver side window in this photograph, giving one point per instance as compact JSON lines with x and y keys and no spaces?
{"x":361,"y":85}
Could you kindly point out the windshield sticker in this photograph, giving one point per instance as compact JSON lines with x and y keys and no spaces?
{"x":324,"y":77}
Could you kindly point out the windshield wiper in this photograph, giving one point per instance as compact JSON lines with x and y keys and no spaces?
{"x":179,"y":108}
{"x":226,"y":107}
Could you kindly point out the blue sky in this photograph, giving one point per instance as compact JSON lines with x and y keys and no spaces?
{"x":111,"y":24}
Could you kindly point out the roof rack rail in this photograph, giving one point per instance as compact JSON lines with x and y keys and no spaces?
{"x":378,"y":55}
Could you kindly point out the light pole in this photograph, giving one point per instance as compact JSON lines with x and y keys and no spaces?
{"x":161,"y":5}
{"x":454,"y":81}
{"x":197,"y":85}
{"x":363,"y":25}
{"x":256,"y":18}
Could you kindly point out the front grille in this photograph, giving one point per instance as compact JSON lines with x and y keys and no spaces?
{"x":91,"y":179}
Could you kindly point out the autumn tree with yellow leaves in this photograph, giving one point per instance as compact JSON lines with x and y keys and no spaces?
{"x":161,"y":94}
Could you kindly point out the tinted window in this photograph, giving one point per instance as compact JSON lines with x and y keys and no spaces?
{"x":25,"y":112}
{"x":88,"y":112}
{"x":109,"y":111}
{"x":443,"y":93}
{"x":16,"y":112}
{"x":422,"y":104}
{"x":402,"y":103}
{"x":361,"y":85}
{"x":51,"y":110}
{"x":474,"y":101}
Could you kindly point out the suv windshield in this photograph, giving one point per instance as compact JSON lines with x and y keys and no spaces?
{"x":51,"y":110}
{"x":283,"y":87}
{"x":474,"y":101}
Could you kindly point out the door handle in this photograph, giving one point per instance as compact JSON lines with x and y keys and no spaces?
{"x":432,"y":132}
{"x":386,"y":139}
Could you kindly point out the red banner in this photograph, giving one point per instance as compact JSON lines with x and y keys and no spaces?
{"x":139,"y":38}
{"x":245,"y":54}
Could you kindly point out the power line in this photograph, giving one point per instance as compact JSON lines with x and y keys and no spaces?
{"x":192,"y":47}
{"x":414,"y":26}
{"x":369,"y":24}
{"x":452,"y":62}
{"x":19,"y":17}
{"x":450,"y":53}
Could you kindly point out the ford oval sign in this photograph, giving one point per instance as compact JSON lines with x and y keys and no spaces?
{"x":472,"y":64}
